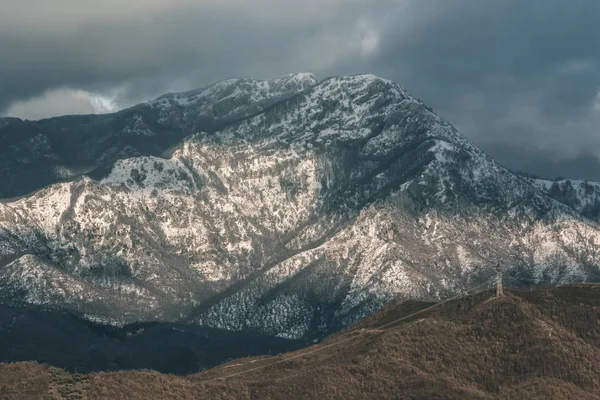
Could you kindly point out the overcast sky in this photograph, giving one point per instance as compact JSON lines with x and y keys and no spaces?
{"x":520,"y":78}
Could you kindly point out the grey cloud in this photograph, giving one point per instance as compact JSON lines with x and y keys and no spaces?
{"x":521,"y":73}
{"x":54,"y":102}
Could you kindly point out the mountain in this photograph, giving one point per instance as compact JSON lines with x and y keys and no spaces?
{"x":291,"y":208}
{"x":539,"y":344}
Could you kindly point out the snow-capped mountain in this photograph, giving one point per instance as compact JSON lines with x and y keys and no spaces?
{"x":290,"y":207}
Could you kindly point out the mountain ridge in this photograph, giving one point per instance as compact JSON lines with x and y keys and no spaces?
{"x":39,"y":153}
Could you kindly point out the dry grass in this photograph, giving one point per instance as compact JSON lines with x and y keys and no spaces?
{"x":24,"y":381}
{"x":534,"y":345}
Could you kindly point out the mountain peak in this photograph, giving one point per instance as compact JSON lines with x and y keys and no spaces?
{"x":304,"y":78}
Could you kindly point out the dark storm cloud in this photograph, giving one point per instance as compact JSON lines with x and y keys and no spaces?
{"x":199,"y":41}
{"x":510,"y":74}
{"x":150,"y":51}
{"x":503,"y":69}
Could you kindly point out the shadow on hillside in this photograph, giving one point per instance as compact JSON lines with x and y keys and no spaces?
{"x":64,"y":340}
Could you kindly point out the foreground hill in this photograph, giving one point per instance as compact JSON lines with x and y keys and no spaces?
{"x":291,"y":207}
{"x":540,"y":344}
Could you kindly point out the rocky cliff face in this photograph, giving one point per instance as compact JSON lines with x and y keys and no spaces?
{"x":290,"y":207}
{"x":581,"y":196}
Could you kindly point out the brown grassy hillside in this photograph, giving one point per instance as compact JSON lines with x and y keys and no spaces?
{"x":542,"y":344}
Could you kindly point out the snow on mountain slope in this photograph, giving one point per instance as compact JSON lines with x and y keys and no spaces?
{"x":582,"y":196}
{"x":294,"y":217}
